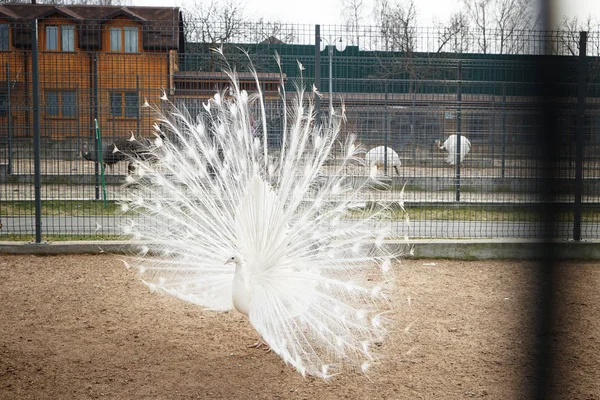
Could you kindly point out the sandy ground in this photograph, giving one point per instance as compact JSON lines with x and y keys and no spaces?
{"x":78,"y":327}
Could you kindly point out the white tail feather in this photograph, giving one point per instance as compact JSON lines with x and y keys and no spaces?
{"x":313,"y":280}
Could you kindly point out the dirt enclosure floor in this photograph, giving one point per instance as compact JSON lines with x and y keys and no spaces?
{"x":78,"y":327}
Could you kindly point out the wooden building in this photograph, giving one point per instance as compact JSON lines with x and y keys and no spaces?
{"x":94,"y":62}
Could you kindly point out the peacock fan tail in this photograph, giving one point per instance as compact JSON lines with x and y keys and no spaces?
{"x":311,"y":277}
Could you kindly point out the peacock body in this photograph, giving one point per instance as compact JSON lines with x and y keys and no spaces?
{"x":229,"y":223}
{"x":379,"y":156}
{"x":122,"y":149}
{"x":450,"y":145}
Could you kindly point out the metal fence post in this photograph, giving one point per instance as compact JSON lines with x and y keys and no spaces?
{"x":318,"y":70}
{"x":548,"y":273}
{"x":35,"y":78}
{"x":9,"y":121}
{"x":386,"y":133}
{"x":581,"y":95}
{"x":503,"y":129}
{"x":458,"y":129}
{"x":95,"y":117}
{"x":137,"y":92}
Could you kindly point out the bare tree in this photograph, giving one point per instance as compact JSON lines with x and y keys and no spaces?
{"x":507,"y":21}
{"x":500,"y":25}
{"x":397,"y":21}
{"x":567,"y":35}
{"x":453,"y":36}
{"x":269,"y":32}
{"x":479,"y":11}
{"x":213,"y":21}
{"x":511,"y":19}
{"x":352,"y":14}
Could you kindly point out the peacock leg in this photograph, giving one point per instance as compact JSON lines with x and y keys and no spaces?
{"x":259,"y":344}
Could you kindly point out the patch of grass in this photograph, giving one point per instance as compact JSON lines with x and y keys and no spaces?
{"x":503,"y":189}
{"x":61,"y":207}
{"x":471,"y":214}
{"x":476,"y":213}
{"x":588,"y":216}
{"x":466,"y":212}
{"x":13,"y":237}
{"x":467,"y":189}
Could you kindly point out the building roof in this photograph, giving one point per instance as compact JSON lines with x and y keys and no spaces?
{"x":7,"y":13}
{"x":127,"y":12}
{"x":161,"y":26}
{"x":90,"y":13}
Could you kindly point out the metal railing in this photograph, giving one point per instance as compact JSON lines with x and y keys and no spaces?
{"x":404,"y":100}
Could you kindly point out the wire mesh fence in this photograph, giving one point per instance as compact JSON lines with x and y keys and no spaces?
{"x":412,"y":97}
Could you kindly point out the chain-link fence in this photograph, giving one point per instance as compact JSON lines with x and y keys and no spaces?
{"x":418,"y":96}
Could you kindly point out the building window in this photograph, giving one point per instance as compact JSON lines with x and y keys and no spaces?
{"x":3,"y":104}
{"x":52,"y":38}
{"x":124,"y":39}
{"x":61,"y":104}
{"x":4,"y":41}
{"x":68,"y":104}
{"x":115,"y":39}
{"x":52,"y":108}
{"x":124,"y":104}
{"x":66,"y":34}
{"x":131,"y":39}
{"x":67,"y":37}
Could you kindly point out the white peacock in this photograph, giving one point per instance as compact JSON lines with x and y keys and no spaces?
{"x":232,"y":223}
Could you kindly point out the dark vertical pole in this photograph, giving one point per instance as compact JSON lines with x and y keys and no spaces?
{"x":386,"y":132}
{"x":458,"y":129}
{"x":36,"y":131}
{"x":581,"y":94}
{"x":492,"y":136}
{"x":137,"y":92}
{"x":548,"y":271}
{"x":413,"y":131}
{"x":93,"y":123}
{"x":503,"y":128}
{"x":9,"y":120}
{"x":26,"y":96}
{"x":318,"y":70}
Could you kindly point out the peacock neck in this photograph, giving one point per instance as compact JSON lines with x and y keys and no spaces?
{"x":241,"y":295}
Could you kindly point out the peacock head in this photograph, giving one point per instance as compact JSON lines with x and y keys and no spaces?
{"x":234,"y":260}
{"x":85,"y":152}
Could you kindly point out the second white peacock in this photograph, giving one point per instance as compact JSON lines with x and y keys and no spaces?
{"x":229,"y":222}
{"x":450,"y":145}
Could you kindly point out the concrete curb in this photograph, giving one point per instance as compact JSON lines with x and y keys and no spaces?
{"x":482,"y":249}
{"x":75,"y":247}
{"x":505,"y":249}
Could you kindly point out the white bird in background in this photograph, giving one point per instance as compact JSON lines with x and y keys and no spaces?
{"x":232,"y":225}
{"x":450,"y":146}
{"x":375,"y":158}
